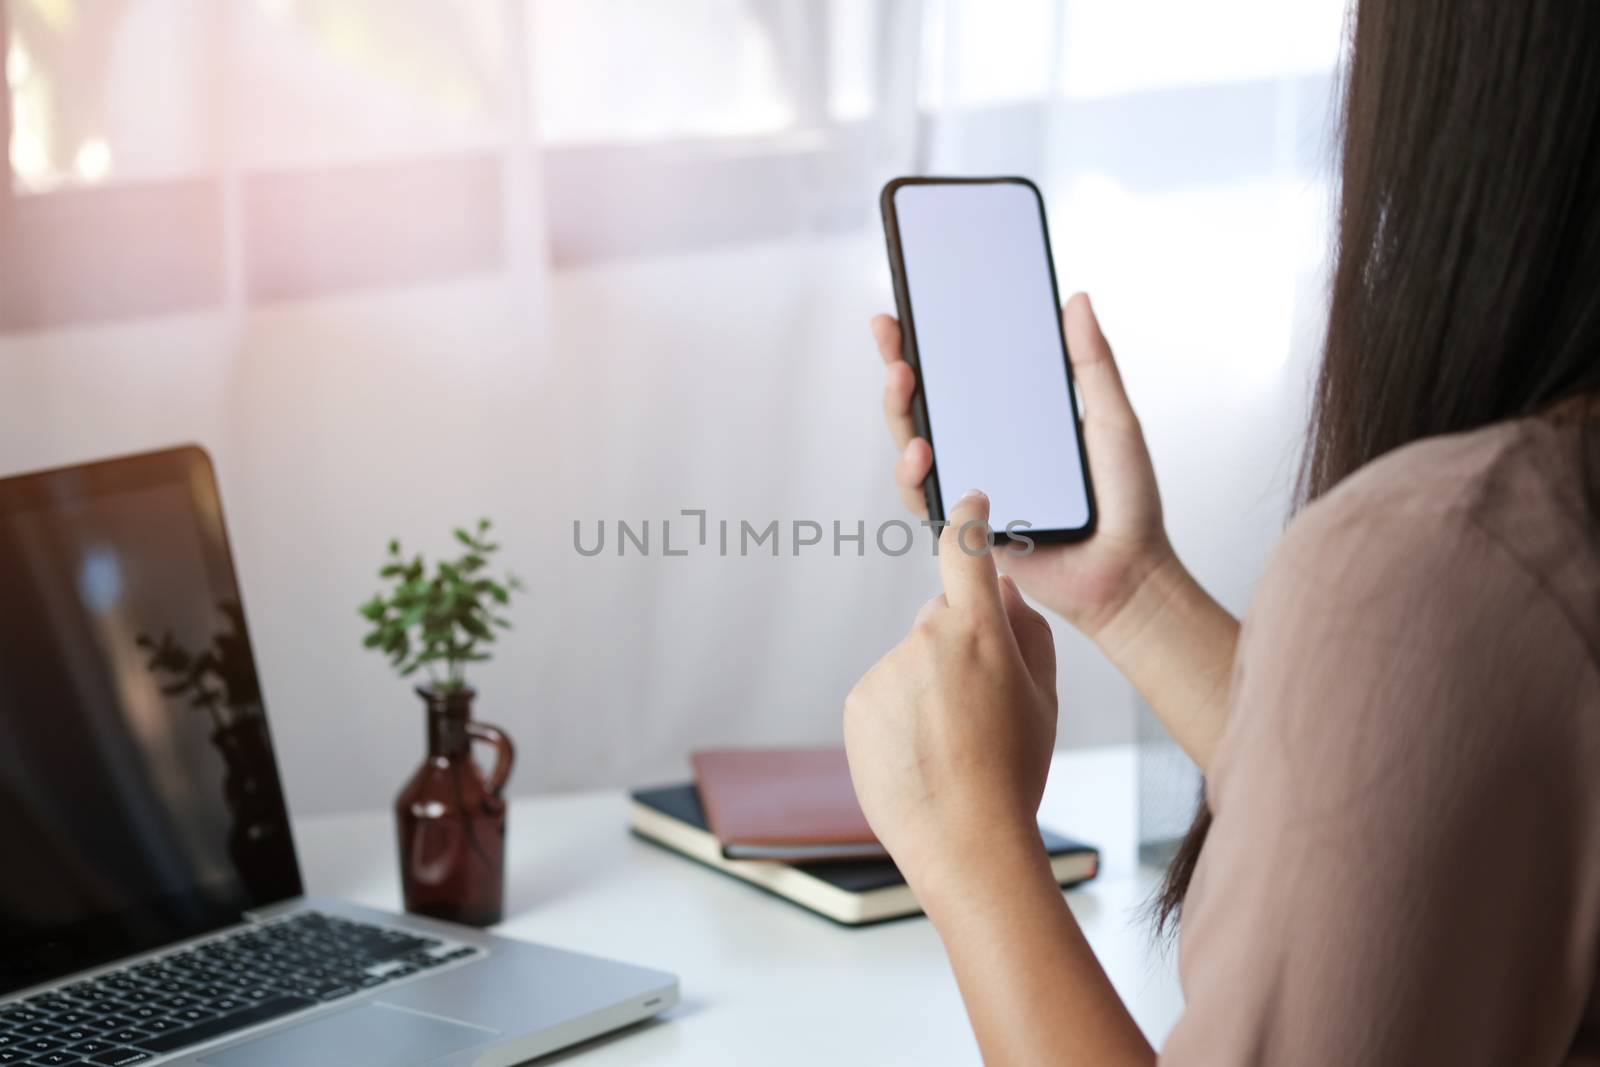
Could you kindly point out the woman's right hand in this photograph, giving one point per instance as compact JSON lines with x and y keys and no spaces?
{"x":1090,"y":582}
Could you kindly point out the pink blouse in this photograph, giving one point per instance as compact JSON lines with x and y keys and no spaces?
{"x":1404,"y":867}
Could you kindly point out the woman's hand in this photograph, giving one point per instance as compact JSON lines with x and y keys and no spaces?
{"x":950,"y":734}
{"x":1123,"y":587}
{"x":949,"y":738}
{"x":1088,"y":583}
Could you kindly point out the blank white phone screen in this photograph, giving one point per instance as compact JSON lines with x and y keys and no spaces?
{"x":993,"y":369}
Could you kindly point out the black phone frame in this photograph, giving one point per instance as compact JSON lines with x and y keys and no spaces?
{"x":908,"y":345}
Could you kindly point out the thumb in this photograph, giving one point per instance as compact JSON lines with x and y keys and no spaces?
{"x":1095,"y":368}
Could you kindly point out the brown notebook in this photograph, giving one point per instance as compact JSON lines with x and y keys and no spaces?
{"x":787,"y":804}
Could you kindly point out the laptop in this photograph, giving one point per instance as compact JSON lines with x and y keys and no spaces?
{"x":151,"y":905}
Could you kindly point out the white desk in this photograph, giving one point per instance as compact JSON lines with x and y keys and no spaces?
{"x":764,"y":981}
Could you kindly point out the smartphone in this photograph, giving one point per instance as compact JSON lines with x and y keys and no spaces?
{"x":980,"y":319}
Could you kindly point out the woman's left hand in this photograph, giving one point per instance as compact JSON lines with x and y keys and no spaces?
{"x":950,"y":734}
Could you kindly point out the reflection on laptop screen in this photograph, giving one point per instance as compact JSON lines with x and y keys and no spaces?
{"x":140,"y":794}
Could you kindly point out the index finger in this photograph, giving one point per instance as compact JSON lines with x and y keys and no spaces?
{"x":965,"y":563}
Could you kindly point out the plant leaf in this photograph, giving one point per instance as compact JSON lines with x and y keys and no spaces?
{"x":428,"y":617}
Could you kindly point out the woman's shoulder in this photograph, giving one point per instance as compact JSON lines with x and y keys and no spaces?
{"x":1471,"y":477}
{"x":1427,"y":523}
{"x":1422,"y":607}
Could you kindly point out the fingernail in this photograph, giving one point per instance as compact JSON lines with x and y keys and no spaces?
{"x":971,"y":494}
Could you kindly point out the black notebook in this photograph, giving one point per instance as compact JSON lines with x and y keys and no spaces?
{"x":851,"y":892}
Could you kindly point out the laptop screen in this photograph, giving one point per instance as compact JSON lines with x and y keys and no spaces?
{"x":139,"y":796}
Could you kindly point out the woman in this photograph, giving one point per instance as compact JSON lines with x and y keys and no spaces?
{"x":1399,"y":861}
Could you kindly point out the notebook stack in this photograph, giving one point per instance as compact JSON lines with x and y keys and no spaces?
{"x":786,"y":820}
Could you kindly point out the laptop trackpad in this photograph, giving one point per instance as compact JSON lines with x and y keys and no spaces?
{"x":375,"y":1034}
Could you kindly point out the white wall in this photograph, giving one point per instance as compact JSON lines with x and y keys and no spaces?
{"x":742,"y":381}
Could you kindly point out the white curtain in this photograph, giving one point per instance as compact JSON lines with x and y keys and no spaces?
{"x":585,"y":260}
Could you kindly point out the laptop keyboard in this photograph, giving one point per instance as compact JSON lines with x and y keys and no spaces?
{"x":213,"y":988}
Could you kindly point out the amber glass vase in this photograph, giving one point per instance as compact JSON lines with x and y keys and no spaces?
{"x":452,"y":820}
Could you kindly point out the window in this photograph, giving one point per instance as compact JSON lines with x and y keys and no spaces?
{"x":640,"y":70}
{"x":170,"y":155}
{"x":189,"y":154}
{"x":109,"y":92}
{"x":322,"y":82}
{"x":981,"y":53}
{"x":1113,"y":47}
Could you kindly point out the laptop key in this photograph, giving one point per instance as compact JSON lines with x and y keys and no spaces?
{"x":224,"y":1024}
{"x":55,"y":1059}
{"x":139,"y":996}
{"x":109,"y":1022}
{"x":120,"y":1057}
{"x":51,"y":1005}
{"x":90,"y":1047}
{"x":207,"y":992}
{"x":160,"y":1026}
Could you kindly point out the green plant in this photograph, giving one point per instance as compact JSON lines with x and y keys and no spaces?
{"x":439,"y":622}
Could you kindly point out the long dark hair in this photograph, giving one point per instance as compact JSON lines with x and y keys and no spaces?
{"x":1467,"y":285}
